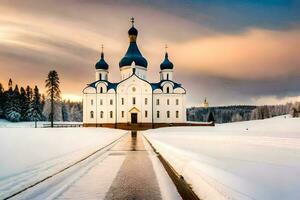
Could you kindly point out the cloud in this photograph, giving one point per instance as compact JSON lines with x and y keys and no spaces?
{"x":228,"y":63}
{"x":255,"y":54}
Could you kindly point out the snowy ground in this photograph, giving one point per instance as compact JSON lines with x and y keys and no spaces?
{"x":243,"y":160}
{"x":29,"y":154}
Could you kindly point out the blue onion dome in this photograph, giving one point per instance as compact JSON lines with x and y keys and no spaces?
{"x":133,"y":53}
{"x":101,"y":64}
{"x":133,"y":31}
{"x":166,"y":64}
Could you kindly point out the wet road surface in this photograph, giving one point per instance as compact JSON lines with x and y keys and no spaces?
{"x":136,"y":179}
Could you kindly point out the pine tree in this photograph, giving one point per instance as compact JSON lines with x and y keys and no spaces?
{"x":65,"y":109}
{"x":36,"y":106}
{"x":8,"y":95}
{"x":24,"y":104}
{"x":53,"y":91}
{"x":13,"y":109}
{"x":28,"y":100}
{"x":2,"y":101}
{"x":211,"y":117}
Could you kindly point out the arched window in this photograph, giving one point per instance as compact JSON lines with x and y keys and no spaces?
{"x":122,"y":114}
{"x":101,"y":114}
{"x":177,"y":114}
{"x":157,"y":114}
{"x":177,"y":102}
{"x":168,"y":90}
{"x":168,"y":101}
{"x":101,"y":102}
{"x":100,"y":76}
{"x":92,"y":102}
{"x":133,"y":101}
{"x":111,"y":114}
{"x":92,"y":114}
{"x":111,"y":102}
{"x":146,"y":113}
{"x":167,"y":76}
{"x":101,"y":89}
{"x":122,"y":101}
{"x":168,"y":114}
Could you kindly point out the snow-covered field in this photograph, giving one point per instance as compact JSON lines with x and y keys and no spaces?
{"x":243,"y":160}
{"x":29,"y":154}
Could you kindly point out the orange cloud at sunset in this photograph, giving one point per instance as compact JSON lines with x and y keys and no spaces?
{"x":255,"y":54}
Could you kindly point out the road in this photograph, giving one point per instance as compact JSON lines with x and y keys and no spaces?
{"x":128,"y":169}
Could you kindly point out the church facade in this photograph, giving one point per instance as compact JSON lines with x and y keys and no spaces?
{"x":133,"y":100}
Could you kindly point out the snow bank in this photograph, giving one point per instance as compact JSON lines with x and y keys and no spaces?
{"x":243,"y":160}
{"x":27,"y":155}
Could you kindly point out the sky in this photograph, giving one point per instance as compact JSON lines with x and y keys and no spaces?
{"x":230,"y":51}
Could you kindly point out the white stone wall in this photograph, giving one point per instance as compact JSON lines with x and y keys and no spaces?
{"x":140,"y":90}
{"x":170,"y":100}
{"x":168,"y":103}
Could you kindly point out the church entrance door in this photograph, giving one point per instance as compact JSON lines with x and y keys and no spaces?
{"x":134,"y":118}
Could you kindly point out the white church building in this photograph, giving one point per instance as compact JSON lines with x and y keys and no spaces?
{"x":134,"y":101}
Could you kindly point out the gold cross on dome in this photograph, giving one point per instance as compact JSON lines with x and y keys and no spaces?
{"x":132,"y":20}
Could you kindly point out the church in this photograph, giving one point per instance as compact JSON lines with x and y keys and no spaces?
{"x":134,"y":101}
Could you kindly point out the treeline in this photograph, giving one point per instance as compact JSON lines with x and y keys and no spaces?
{"x":28,"y":104}
{"x":222,"y":114}
{"x":225,"y":114}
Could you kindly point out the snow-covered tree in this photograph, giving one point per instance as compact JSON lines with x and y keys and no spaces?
{"x":76,"y":113}
{"x":57,"y":112}
{"x":66,"y":110}
{"x":35,"y":106}
{"x":13,"y":107}
{"x":236,"y":117}
{"x":24,"y":104}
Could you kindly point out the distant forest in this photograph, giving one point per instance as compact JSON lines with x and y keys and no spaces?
{"x":28,"y":104}
{"x":226,"y":114}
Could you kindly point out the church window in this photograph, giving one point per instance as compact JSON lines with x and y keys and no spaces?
{"x":133,"y":100}
{"x":168,"y":101}
{"x":122,"y":101}
{"x":177,"y":114}
{"x":157,"y":101}
{"x":177,"y":102}
{"x":146,"y":101}
{"x":111,"y":114}
{"x":168,"y":90}
{"x":168,"y":114}
{"x":111,"y":102}
{"x":92,"y":102}
{"x":100,"y":76}
{"x":146,"y":113}
{"x":101,"y":89}
{"x":92,"y":114}
{"x":101,"y":114}
{"x":157,"y":114}
{"x":101,"y":102}
{"x":167,"y":76}
{"x":122,"y":114}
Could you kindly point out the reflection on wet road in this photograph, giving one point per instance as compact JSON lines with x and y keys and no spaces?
{"x":136,"y":178}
